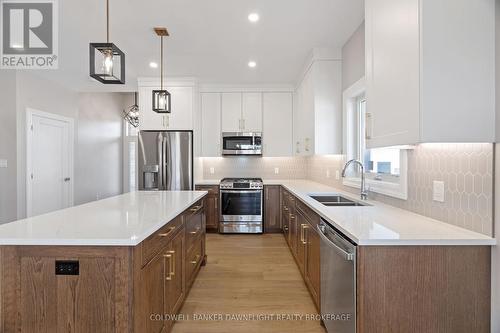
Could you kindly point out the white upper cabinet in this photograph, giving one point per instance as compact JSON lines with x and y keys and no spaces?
{"x":211,"y":124}
{"x":231,"y":112}
{"x":318,"y":113}
{"x":252,"y":112}
{"x":277,"y":135}
{"x":430,"y":71}
{"x":182,"y":99}
{"x":242,"y":112}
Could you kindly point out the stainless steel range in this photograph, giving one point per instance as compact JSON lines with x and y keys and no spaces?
{"x":241,"y":205}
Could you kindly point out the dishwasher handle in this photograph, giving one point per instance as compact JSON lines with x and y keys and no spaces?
{"x":347,"y":256}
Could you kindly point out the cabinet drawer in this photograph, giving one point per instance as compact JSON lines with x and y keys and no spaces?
{"x":194,"y":227}
{"x":194,"y":258}
{"x":211,"y":189}
{"x":309,"y":214}
{"x":157,"y":241}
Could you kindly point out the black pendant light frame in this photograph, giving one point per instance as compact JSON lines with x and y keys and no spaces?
{"x":103,"y":48}
{"x":158,"y":95}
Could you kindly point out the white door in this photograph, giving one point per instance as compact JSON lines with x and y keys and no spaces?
{"x":278,"y":124}
{"x":252,"y":112}
{"x":50,"y":163}
{"x":231,"y":112}
{"x":210,"y":124}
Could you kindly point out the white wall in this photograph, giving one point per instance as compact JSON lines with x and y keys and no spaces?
{"x":99,"y":152}
{"x":40,"y":94}
{"x":98,"y":138}
{"x":8,"y":186}
{"x":353,"y":58}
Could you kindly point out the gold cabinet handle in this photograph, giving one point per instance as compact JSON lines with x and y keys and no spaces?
{"x":303,"y":233}
{"x":195,"y":261}
{"x":172,"y":268}
{"x":195,"y":208}
{"x":167,"y":233}
{"x":195,"y":232}
{"x":285,"y":208}
{"x":169,"y":275}
{"x":292,"y":216}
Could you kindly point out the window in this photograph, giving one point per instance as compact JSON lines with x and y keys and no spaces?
{"x":130,"y":157}
{"x":385,"y":168}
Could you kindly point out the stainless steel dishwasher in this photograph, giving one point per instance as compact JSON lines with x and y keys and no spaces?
{"x":338,"y":281}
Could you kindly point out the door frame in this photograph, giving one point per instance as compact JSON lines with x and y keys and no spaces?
{"x":29,"y":145}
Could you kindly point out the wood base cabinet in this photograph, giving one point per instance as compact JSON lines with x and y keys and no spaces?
{"x":303,"y":240}
{"x":115,"y":288}
{"x":211,"y":206}
{"x":400,"y":288}
{"x":272,"y":221}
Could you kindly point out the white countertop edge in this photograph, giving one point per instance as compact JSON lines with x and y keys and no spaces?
{"x":429,"y":242}
{"x":102,"y":242}
{"x":484,"y":240}
{"x":481,"y":240}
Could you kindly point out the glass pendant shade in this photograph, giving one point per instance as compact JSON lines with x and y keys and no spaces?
{"x":107,"y":63}
{"x":161,"y":101}
{"x":132,"y":114}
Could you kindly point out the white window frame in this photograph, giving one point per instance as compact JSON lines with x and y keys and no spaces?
{"x":398,"y":190}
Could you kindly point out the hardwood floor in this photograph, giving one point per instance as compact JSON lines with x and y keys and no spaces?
{"x":248,"y":275}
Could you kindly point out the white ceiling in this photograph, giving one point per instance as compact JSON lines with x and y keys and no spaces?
{"x":210,"y":39}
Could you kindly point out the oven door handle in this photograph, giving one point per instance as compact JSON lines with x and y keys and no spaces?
{"x":238,"y":191}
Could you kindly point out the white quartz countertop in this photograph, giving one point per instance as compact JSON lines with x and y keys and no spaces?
{"x":124,"y":220}
{"x":378,"y":224}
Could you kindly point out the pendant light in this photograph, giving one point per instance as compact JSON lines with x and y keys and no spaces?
{"x":161,"y":98}
{"x":107,"y":61}
{"x":132,"y":114}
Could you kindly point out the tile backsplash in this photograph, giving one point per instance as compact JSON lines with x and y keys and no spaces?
{"x":466,"y":170}
{"x":263,"y":167}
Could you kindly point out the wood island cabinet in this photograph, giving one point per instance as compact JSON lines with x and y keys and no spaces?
{"x":114,"y":288}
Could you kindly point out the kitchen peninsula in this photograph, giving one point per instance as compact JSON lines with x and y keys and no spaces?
{"x":115,"y":265}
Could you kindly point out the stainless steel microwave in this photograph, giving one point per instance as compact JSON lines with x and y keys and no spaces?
{"x":241,"y":143}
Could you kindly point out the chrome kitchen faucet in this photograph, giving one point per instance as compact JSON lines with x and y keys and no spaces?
{"x":364,"y":191}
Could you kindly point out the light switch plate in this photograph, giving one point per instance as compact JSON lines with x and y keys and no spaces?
{"x":337,"y":174}
{"x":212,"y":170}
{"x":276,"y":171}
{"x":3,"y":163}
{"x":438,"y":191}
{"x":328,"y":173}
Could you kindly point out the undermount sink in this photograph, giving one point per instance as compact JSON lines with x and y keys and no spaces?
{"x":336,"y":200}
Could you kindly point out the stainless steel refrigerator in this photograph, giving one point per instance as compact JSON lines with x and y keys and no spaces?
{"x":165,"y":160}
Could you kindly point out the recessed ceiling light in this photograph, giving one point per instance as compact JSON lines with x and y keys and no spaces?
{"x":153,"y":65}
{"x":252,"y":64}
{"x":253,"y":17}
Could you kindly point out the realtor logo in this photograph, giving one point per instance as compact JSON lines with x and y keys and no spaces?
{"x":29,"y":34}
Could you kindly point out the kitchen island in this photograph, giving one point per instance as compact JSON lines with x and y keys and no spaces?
{"x":123,"y":264}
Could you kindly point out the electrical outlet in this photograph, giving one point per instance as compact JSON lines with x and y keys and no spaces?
{"x":438,"y":191}
{"x":212,"y":170}
{"x":276,"y":171}
{"x":337,"y":174}
{"x":327,"y":173}
{"x":3,"y":163}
